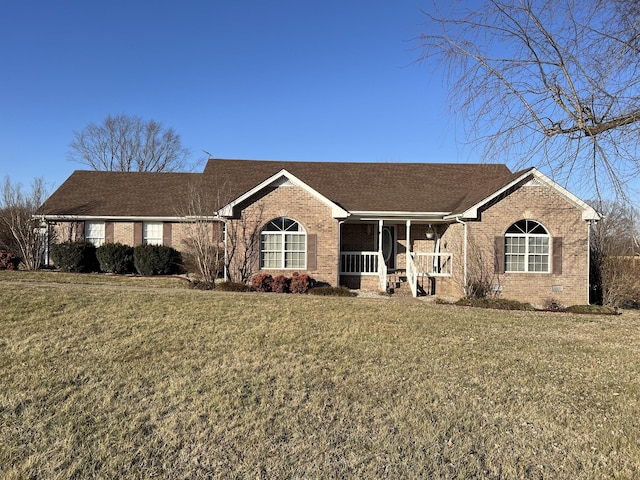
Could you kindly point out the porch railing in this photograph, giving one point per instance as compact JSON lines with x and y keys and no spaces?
{"x":359,"y":263}
{"x":434,"y":264}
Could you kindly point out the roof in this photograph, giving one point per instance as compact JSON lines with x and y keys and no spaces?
{"x":122,"y":194}
{"x":445,"y":189}
{"x":371,"y":187}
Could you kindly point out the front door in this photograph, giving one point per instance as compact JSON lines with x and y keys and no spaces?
{"x":389,"y":246}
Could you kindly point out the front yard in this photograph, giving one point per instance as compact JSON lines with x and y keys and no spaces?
{"x":109,"y":380}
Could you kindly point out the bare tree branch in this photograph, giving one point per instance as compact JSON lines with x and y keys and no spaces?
{"x":124,"y":143}
{"x":551,"y":82}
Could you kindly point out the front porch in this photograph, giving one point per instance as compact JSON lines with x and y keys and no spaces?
{"x":384,"y":254}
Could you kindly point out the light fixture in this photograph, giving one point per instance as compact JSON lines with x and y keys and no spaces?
{"x":430,"y":232}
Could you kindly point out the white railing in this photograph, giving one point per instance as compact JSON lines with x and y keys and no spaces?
{"x":359,"y":263}
{"x":434,"y":264}
{"x":412,"y":275}
{"x":382,"y":272}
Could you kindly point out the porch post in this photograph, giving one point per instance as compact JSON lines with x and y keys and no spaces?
{"x":226,"y":252}
{"x":380,"y":224}
{"x":408,"y":247}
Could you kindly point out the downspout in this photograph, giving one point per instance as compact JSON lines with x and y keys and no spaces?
{"x":226,"y":252}
{"x":340,"y":222}
{"x":464,"y":268}
{"x":589,"y":228}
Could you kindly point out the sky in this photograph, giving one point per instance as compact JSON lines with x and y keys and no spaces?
{"x":328,"y":80}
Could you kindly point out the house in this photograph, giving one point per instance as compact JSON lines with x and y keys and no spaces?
{"x":434,"y":228}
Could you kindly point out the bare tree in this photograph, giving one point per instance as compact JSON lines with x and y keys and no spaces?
{"x":128,"y":143}
{"x":203,"y":234}
{"x":24,"y":235}
{"x":615,"y":264}
{"x":552,"y":81}
{"x":243,"y":244}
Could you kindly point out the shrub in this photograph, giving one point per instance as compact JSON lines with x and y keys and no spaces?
{"x":198,"y":285}
{"x":300,"y":283}
{"x":8,"y":261}
{"x":331,"y":291}
{"x":232,"y":287}
{"x":262,"y":282}
{"x":599,"y":309}
{"x":497,"y":303}
{"x":280,"y":284}
{"x":75,"y":257}
{"x":156,"y":260}
{"x":115,"y":258}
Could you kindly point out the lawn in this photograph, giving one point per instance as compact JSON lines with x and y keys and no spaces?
{"x":109,"y":380}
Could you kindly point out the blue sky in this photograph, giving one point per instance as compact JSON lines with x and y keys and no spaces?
{"x":285,"y":80}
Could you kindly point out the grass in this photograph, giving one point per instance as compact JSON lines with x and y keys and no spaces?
{"x":102,"y":382}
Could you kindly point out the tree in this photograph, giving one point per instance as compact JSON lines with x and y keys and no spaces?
{"x":22,"y":231}
{"x":203,"y":238}
{"x":556,"y":80}
{"x":127,"y":143}
{"x":615,"y":246}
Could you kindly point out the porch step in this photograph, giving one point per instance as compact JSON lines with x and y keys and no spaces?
{"x":397,"y":285}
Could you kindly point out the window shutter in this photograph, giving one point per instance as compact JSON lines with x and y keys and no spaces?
{"x":166,"y":234}
{"x":498,"y":255}
{"x":80,"y":231}
{"x":137,"y":233}
{"x":108,"y":232}
{"x":556,"y":266}
{"x":312,"y":256}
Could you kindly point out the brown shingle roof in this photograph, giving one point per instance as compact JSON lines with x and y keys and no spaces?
{"x":400,"y":187}
{"x":127,"y":194}
{"x":374,"y":187}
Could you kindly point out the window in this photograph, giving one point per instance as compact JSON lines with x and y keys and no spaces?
{"x":526,"y":247}
{"x":94,"y":233}
{"x":283,"y":244}
{"x":152,"y":233}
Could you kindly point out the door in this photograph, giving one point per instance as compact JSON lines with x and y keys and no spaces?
{"x":389,"y":246}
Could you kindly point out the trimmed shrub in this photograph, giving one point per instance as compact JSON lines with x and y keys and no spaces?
{"x":280,"y":284}
{"x":156,"y":260}
{"x":8,"y":261}
{"x":115,"y":258}
{"x":300,"y":283}
{"x":331,"y":291}
{"x":497,"y":303}
{"x":597,"y":309}
{"x":232,"y":287}
{"x":75,"y":257}
{"x":262,"y":282}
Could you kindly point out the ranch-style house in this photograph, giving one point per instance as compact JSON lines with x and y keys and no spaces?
{"x":428,"y":228}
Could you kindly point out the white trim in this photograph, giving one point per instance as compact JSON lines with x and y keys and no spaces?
{"x":336,"y":211}
{"x":108,"y":218}
{"x":588,"y":212}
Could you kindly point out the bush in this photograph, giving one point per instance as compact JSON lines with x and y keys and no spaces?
{"x":198,"y":285}
{"x":598,"y":309}
{"x":156,"y":260}
{"x":232,"y":287}
{"x":262,"y":282}
{"x":115,"y":258}
{"x":300,"y":283}
{"x":8,"y":261}
{"x":280,"y":284}
{"x":497,"y":303}
{"x":331,"y":291}
{"x":75,"y":257}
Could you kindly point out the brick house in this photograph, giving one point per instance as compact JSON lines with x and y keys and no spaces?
{"x":432,"y":228}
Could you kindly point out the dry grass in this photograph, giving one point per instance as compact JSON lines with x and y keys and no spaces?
{"x":168,"y":383}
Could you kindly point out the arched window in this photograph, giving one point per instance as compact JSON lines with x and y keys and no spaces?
{"x":526,"y":247}
{"x":283,"y":244}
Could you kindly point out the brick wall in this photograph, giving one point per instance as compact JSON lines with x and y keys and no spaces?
{"x":562,"y":219}
{"x":312,"y":214}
